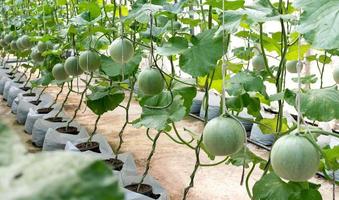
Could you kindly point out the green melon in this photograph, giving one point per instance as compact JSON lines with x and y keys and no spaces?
{"x":336,"y":74}
{"x":294,"y":158}
{"x":224,"y":136}
{"x":121,"y":50}
{"x":72,"y":67}
{"x":26,"y":42}
{"x":150,"y":82}
{"x":89,"y":61}
{"x":59,"y":72}
{"x":258,"y":63}
{"x":291,"y":66}
{"x":14,"y":46}
{"x":42,"y":46}
{"x":8,"y":38}
{"x":3,"y":43}
{"x":36,"y":56}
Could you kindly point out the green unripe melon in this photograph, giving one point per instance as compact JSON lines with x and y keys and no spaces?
{"x":258,"y":63}
{"x":36,"y":56}
{"x":19,"y":44}
{"x":42,"y":46}
{"x":59,"y":72}
{"x":8,"y":38}
{"x":72,"y":67}
{"x":150,"y":82}
{"x":89,"y":61}
{"x":13,"y":45}
{"x":294,"y":158}
{"x":224,"y":136}
{"x":336,"y":74}
{"x":3,"y":43}
{"x":26,"y":42}
{"x":121,"y":50}
{"x":291,"y":66}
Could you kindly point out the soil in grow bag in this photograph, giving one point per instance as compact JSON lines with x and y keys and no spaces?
{"x":37,"y":102}
{"x":19,"y":82}
{"x":144,"y":190}
{"x":44,"y":110}
{"x":68,"y":130}
{"x":115,"y":164}
{"x":25,"y":89}
{"x":10,"y":73}
{"x":89,"y":146}
{"x":55,"y":119}
{"x":11,"y":77}
{"x":31,"y":94}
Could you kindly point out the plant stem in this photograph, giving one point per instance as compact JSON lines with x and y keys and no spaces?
{"x":95,"y":129}
{"x":57,"y":96}
{"x":65,"y":100}
{"x":197,"y":148}
{"x":80,"y":102}
{"x":214,"y":164}
{"x":42,"y":91}
{"x":263,"y":51}
{"x":126,"y":118}
{"x":247,"y":181}
{"x":148,"y":163}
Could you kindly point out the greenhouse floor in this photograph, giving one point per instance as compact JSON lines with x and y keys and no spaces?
{"x":172,"y":163}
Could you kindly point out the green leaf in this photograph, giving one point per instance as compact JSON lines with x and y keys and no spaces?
{"x":114,"y":69}
{"x":244,"y":82}
{"x":11,"y":148}
{"x":228,"y":5}
{"x":260,"y":11}
{"x":142,"y":14}
{"x":202,"y":56}
{"x":245,"y":157}
{"x":103,"y":99}
{"x":271,"y":187}
{"x":45,"y":79}
{"x":160,"y":118}
{"x":269,"y":126}
{"x":315,"y":102}
{"x":309,"y":79}
{"x":92,"y":8}
{"x":295,"y":50}
{"x":332,"y":157}
{"x":187,"y":92}
{"x":175,"y":45}
{"x":318,"y":22}
{"x":43,"y":176}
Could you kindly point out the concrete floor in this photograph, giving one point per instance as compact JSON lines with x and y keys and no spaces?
{"x":172,"y":163}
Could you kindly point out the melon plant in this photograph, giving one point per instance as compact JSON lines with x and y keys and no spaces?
{"x":224,"y":136}
{"x":59,"y":72}
{"x":291,"y":66}
{"x":42,"y":46}
{"x":19,"y":44}
{"x":294,"y":158}
{"x":36,"y":56}
{"x":3,"y":43}
{"x":72,"y":67}
{"x":121,"y":50}
{"x":258,"y":62}
{"x":150,"y":82}
{"x":336,"y":74}
{"x":26,"y":42}
{"x":89,"y":61}
{"x":9,"y":38}
{"x":14,"y":46}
